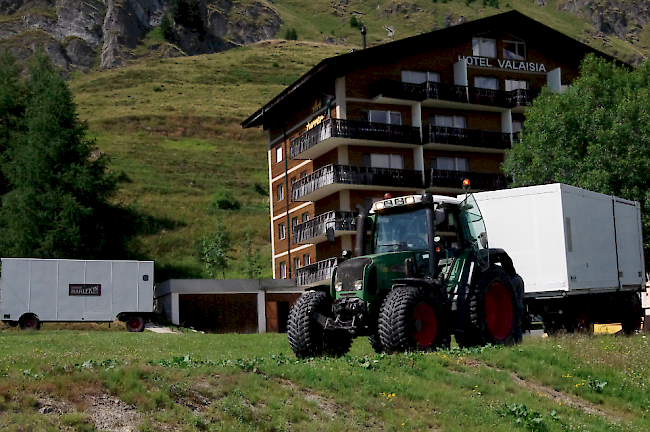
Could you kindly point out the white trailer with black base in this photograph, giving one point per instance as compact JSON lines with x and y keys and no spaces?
{"x":580,"y":253}
{"x":51,"y":290}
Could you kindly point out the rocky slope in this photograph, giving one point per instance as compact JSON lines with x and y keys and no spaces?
{"x":80,"y":34}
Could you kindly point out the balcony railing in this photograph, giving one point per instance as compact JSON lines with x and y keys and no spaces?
{"x":454,"y":180}
{"x":320,"y":271}
{"x":467,"y":137}
{"x":338,"y":220}
{"x":521,"y":97}
{"x":447,"y":92}
{"x":355,"y":175}
{"x":453,"y":93}
{"x":399,"y":90}
{"x":354,"y":130}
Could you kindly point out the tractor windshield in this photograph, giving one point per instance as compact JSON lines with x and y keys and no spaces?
{"x":473,"y":226}
{"x":401,"y":232}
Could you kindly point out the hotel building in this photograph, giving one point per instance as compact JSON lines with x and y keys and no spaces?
{"x":414,"y":115}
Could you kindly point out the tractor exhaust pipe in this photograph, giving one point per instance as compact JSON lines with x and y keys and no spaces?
{"x":360,"y":241}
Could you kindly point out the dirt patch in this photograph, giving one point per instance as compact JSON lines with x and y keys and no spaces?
{"x":112,"y":414}
{"x":45,"y":405}
{"x":325,"y":406}
{"x":545,"y":391}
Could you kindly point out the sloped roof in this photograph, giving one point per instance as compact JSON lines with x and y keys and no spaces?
{"x":556,"y":45}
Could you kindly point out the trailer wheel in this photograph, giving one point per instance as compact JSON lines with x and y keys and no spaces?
{"x":29,"y":322}
{"x":135,"y":324}
{"x":494,"y":313}
{"x":305,"y":333}
{"x":410,"y":319}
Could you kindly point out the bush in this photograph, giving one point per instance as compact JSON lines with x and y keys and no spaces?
{"x":224,"y":200}
{"x":291,"y":34}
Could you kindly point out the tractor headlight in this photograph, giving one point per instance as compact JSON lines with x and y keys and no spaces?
{"x":358,"y":285}
{"x":338,"y":286}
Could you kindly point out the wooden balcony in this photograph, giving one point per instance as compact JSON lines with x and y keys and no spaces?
{"x":313,"y":231}
{"x":319,"y":273}
{"x":466,"y":138}
{"x":333,"y":132}
{"x":332,"y":178}
{"x":452,"y":181}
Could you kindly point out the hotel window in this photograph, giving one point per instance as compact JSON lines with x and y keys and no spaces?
{"x":305,"y":217}
{"x":490,"y":83}
{"x":283,"y":270}
{"x":484,"y":47}
{"x":278,"y":154}
{"x":376,"y":160}
{"x":281,"y":231}
{"x":296,"y":263}
{"x":280,"y":192}
{"x":449,"y":121}
{"x":294,"y":222}
{"x":386,"y":117}
{"x":513,"y":50}
{"x":306,"y":260}
{"x":415,"y":77}
{"x":450,"y":163}
{"x":516,"y":84}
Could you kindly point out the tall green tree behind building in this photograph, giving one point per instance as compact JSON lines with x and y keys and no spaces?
{"x":595,"y":135}
{"x":57,"y":198}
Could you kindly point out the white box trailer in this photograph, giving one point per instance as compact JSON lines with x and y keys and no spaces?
{"x":580,"y":253}
{"x":41,"y":290}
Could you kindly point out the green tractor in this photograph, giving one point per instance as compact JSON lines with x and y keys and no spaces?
{"x":422,"y":271}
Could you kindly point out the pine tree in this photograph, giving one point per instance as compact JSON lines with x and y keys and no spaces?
{"x":12,"y":109}
{"x":58,"y":195}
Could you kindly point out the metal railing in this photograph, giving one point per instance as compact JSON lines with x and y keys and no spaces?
{"x":447,"y":92}
{"x":355,"y":175}
{"x":317,"y":272}
{"x":399,"y":90}
{"x":338,"y":220}
{"x":454,"y":180}
{"x":354,"y":130}
{"x":467,"y":137}
{"x":521,"y":97}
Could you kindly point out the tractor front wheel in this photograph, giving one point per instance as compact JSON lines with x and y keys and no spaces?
{"x":494,"y":313}
{"x":411,"y":319}
{"x":305,"y":333}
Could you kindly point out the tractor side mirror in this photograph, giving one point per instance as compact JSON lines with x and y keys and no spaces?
{"x":329,"y":233}
{"x":483,"y":239}
{"x":440,"y":215}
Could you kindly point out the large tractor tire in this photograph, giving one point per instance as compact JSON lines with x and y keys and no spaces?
{"x":493,"y":311}
{"x":305,"y":333}
{"x":411,"y":319}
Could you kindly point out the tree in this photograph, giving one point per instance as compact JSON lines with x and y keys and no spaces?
{"x":58,"y":195}
{"x":252,"y":268}
{"x":12,"y":109}
{"x":595,"y":135}
{"x":167,"y":28}
{"x":187,"y":13}
{"x":215,"y":250}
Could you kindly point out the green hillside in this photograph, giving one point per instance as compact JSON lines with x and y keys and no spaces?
{"x":172,"y":125}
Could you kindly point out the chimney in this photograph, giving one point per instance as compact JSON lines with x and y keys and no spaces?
{"x":363,"y":37}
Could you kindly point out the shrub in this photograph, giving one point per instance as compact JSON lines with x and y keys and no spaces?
{"x":224,"y":200}
{"x":167,"y":28}
{"x":291,"y":34}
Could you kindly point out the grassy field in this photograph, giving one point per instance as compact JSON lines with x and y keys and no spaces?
{"x":59,"y":379}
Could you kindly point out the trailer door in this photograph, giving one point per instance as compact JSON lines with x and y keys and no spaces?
{"x":629,"y":243}
{"x":98,"y":301}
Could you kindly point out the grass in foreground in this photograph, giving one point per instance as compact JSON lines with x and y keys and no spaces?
{"x":192,"y":381}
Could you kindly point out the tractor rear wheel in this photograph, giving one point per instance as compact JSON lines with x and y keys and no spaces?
{"x":494,"y":312}
{"x":411,"y":319}
{"x":305,"y":333}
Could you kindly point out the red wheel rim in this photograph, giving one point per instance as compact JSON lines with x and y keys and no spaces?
{"x":499,"y":313}
{"x":426,"y":325}
{"x":135,"y":324}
